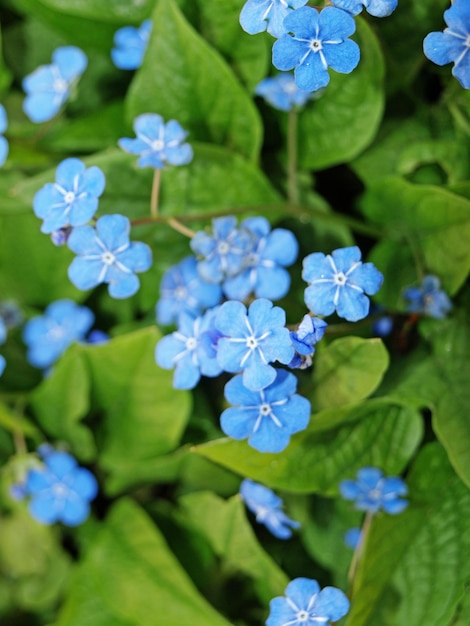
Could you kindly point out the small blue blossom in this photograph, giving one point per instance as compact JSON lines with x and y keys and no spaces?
{"x":373,"y":492}
{"x":72,"y":200}
{"x":107,"y":256}
{"x":49,"y":86}
{"x":306,"y":605}
{"x":310,"y":331}
{"x":339,"y":282}
{"x":353,"y":537}
{"x":3,"y":141}
{"x":383,"y":326}
{"x":48,"y":336}
{"x":182,"y":290}
{"x":377,"y":8}
{"x":11,"y":316}
{"x":429,"y":299}
{"x":282,"y":93}
{"x":263,"y":272}
{"x":319,"y":40}
{"x":267,"y":507}
{"x":259,"y":15}
{"x":97,"y":337}
{"x":252,"y":340}
{"x":157,"y":143}
{"x":60,"y":491}
{"x":453,"y":45}
{"x":191,"y":350}
{"x":223,"y":252}
{"x":60,"y":236}
{"x":3,"y":364}
{"x":268,"y":417}
{"x":130,"y":46}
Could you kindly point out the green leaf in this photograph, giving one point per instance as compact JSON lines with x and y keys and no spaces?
{"x":432,"y":222}
{"x":129,"y":577}
{"x":336,"y":444}
{"x":347,"y":371}
{"x":5,"y":74}
{"x":415,"y":565}
{"x":104,"y":10}
{"x":62,"y":400}
{"x":183,"y":78}
{"x":345,"y":118}
{"x":234,"y":541}
{"x":143,"y":415}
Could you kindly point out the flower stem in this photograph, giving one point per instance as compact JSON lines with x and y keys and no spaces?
{"x":358,"y":552}
{"x":292,"y":182}
{"x":155,"y":193}
{"x":181,"y":228}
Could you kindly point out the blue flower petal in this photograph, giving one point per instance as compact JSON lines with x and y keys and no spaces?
{"x":150,"y":126}
{"x":85,"y":484}
{"x":43,"y":508}
{"x":113,"y":230}
{"x":287,"y":52}
{"x":180,"y":155}
{"x":238,"y":423}
{"x":82,"y":240}
{"x":252,"y":16}
{"x":85,"y":274}
{"x":342,"y":57}
{"x":335,"y":24}
{"x":137,"y":257}
{"x":71,"y":62}
{"x":280,"y":613}
{"x":331,"y":603}
{"x":60,"y":463}
{"x":125,"y":287}
{"x":300,"y":590}
{"x":353,"y":305}
{"x":41,"y":107}
{"x":3,"y":119}
{"x":75,"y":511}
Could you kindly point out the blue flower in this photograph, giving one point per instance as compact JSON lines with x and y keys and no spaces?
{"x":97,"y":337}
{"x":373,"y":492}
{"x":339,"y":282}
{"x":107,"y":256}
{"x":48,"y":336}
{"x":60,"y":491}
{"x":383,"y":326}
{"x":319,"y":41}
{"x":453,"y":45}
{"x":259,"y":15}
{"x":224,"y":251}
{"x":377,"y":8}
{"x":306,"y":605}
{"x":263,"y":272}
{"x":282,"y":93}
{"x":267,"y":507}
{"x":429,"y":299}
{"x":49,"y":86}
{"x":157,"y":143}
{"x":268,"y":417}
{"x":131,"y":44}
{"x":191,"y":350}
{"x":253,"y":340}
{"x":3,"y":141}
{"x":182,"y":290}
{"x":3,"y":336}
{"x":73,"y":199}
{"x":352,"y":537}
{"x":310,"y":331}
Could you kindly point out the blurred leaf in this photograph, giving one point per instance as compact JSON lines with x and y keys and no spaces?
{"x":336,"y":444}
{"x":129,"y":577}
{"x":12,"y":422}
{"x":183,"y":78}
{"x":233,"y":540}
{"x":415,"y":564}
{"x":346,"y":371}
{"x":344,"y":119}
{"x":106,"y":10}
{"x":5,"y":75}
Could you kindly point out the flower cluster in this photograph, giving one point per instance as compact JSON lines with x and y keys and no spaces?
{"x":372,"y":491}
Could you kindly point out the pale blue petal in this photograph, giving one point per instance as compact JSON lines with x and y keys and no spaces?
{"x":82,"y":211}
{"x":344,"y":258}
{"x":180,"y":155}
{"x":42,"y":79}
{"x":342,"y":57}
{"x":303,"y":22}
{"x":187,"y":374}
{"x":168,"y":348}
{"x":312,"y":75}
{"x":113,"y":230}
{"x":46,"y":198}
{"x":300,"y":590}
{"x":85,"y":274}
{"x":367,"y":277}
{"x":231,"y":319}
{"x":93,"y":181}
{"x":82,"y":240}
{"x":257,"y":375}
{"x":236,"y":393}
{"x":174,"y":132}
{"x":381,"y":8}
{"x":394,"y":506}
{"x":281,"y":613}
{"x":319,"y":298}
{"x":287,"y":52}
{"x":60,"y":463}
{"x":75,"y":511}
{"x":331,"y":603}
{"x":281,"y":247}
{"x":230,"y":355}
{"x":393,"y":484}
{"x":272,"y":283}
{"x":370,"y":476}
{"x":43,"y":508}
{"x":315,"y":267}
{"x":37,"y":480}
{"x":349,"y":489}
{"x":335,"y":24}
{"x":66,"y":172}
{"x":41,"y":107}
{"x":462,"y":71}
{"x":133,"y":146}
{"x":124,"y":287}
{"x":84,"y":483}
{"x":353,"y":305}
{"x":137,"y":257}
{"x":251,"y":16}
{"x":128,"y":59}
{"x":238,"y":423}
{"x":71,"y":61}
{"x":149,"y":125}
{"x":354,"y":7}
{"x":442,"y":48}
{"x":3,"y":119}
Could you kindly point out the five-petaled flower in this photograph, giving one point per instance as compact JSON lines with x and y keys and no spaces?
{"x":49,"y":86}
{"x":339,"y":282}
{"x":319,"y":40}
{"x":182,"y":290}
{"x":130,"y":45}
{"x":428,"y":299}
{"x":282,"y":93}
{"x":372,"y":491}
{"x":48,"y":336}
{"x":259,"y":15}
{"x":60,"y":491}
{"x":453,"y":45}
{"x":73,"y":199}
{"x":267,"y":417}
{"x":3,"y":141}
{"x":306,"y":605}
{"x":252,"y":340}
{"x":377,"y":8}
{"x":191,"y":350}
{"x":105,"y":255}
{"x":267,"y":507}
{"x":157,"y":143}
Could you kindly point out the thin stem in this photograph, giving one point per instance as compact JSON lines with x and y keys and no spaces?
{"x":181,"y":228}
{"x":155,"y":193}
{"x":292,"y":182}
{"x":358,"y":552}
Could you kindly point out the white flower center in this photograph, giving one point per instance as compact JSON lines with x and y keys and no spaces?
{"x":223,"y":247}
{"x":340,"y":279}
{"x":315,"y":45}
{"x":191,"y":343}
{"x":69,"y":197}
{"x":302,"y":616}
{"x":60,"y":85}
{"x":265,"y":409}
{"x":251,"y":343}
{"x":467,"y":41}
{"x":108,"y":258}
{"x":180,"y":293}
{"x":158,"y":145}
{"x":59,"y":490}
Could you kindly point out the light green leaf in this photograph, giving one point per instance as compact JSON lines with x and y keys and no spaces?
{"x":183,"y":78}
{"x":345,"y":118}
{"x":416,"y":564}
{"x":129,"y":577}
{"x":104,"y":10}
{"x":234,"y":541}
{"x":347,"y":371}
{"x":336,"y":444}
